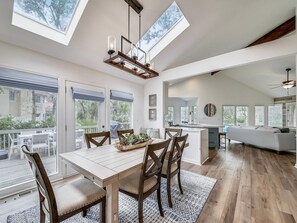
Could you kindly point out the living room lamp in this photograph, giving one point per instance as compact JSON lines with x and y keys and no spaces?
{"x":132,"y":61}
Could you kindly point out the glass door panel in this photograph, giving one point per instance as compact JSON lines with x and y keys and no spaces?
{"x":27,"y":117}
{"x":83,"y":116}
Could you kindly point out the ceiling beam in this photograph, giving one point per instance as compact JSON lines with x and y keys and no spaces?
{"x":134,"y":4}
{"x":280,"y":31}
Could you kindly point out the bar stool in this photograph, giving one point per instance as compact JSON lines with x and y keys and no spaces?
{"x":222,"y":140}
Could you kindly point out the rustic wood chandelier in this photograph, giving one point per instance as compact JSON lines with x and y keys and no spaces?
{"x":136,"y":61}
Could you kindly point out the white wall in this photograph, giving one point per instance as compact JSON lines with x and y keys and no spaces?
{"x":274,"y":49}
{"x":25,"y":60}
{"x":219,"y":90}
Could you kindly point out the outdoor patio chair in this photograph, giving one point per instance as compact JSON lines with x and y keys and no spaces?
{"x":79,"y":138}
{"x":40,"y":141}
{"x":28,"y":133}
{"x":14,"y":144}
{"x":60,"y":203}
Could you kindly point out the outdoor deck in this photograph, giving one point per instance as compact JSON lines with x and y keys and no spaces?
{"x":16,"y":170}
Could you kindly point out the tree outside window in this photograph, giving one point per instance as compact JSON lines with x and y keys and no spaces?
{"x":56,"y":14}
{"x":235,"y":115}
{"x":121,"y":113}
{"x":87,"y":112}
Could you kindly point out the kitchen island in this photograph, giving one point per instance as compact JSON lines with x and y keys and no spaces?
{"x":197,"y":151}
{"x":213,"y":132}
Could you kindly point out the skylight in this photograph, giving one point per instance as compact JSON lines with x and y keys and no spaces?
{"x":168,"y":26}
{"x":53,"y":19}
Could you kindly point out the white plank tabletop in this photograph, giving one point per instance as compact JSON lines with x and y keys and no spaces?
{"x":106,"y":165}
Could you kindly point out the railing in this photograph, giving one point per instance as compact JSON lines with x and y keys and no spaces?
{"x":5,"y":140}
{"x":4,"y":135}
{"x":89,"y":129}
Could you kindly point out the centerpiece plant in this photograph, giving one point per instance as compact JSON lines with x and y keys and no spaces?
{"x":134,"y":139}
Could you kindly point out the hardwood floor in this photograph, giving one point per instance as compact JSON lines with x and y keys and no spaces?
{"x":254,"y":185}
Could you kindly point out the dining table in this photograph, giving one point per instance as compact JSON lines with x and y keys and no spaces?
{"x":106,"y":166}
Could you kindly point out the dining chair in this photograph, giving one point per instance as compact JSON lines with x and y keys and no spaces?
{"x":98,"y":138}
{"x":172,"y":162}
{"x":60,"y":203}
{"x":171,"y":132}
{"x":144,"y":182}
{"x":40,"y":141}
{"x":124,"y":133}
{"x":14,"y":144}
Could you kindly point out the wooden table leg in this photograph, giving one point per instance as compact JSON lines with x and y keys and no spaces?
{"x":112,"y":202}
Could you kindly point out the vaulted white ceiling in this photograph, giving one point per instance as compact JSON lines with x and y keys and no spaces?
{"x":266,"y":75}
{"x":216,"y":27}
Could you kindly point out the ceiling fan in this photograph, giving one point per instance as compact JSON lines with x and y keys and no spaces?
{"x":287,"y":84}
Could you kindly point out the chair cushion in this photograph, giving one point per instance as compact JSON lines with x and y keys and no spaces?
{"x":165,"y":166}
{"x":131,"y":183}
{"x":76,"y":195}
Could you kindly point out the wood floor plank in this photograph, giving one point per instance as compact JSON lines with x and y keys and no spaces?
{"x":253,"y":186}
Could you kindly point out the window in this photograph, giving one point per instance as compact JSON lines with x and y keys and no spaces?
{"x":12,"y":95}
{"x":259,"y":115}
{"x":184,"y":114}
{"x":23,"y":121}
{"x":170,"y":114}
{"x":87,"y":113}
{"x":235,"y":115}
{"x":55,"y":20}
{"x":275,"y":115}
{"x":195,"y":111}
{"x":168,"y":26}
{"x":120,"y":111}
{"x":228,"y":115}
{"x":242,"y":115}
{"x":38,"y":99}
{"x":291,"y":114}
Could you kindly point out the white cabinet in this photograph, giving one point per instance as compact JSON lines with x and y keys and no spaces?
{"x":197,"y":151}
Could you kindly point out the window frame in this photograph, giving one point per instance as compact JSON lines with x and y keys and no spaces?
{"x":264,"y":115}
{"x":235,"y":114}
{"x":287,"y":116}
{"x":268,"y":124}
{"x":30,"y":183}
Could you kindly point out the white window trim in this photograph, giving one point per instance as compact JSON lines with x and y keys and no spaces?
{"x":235,"y":113}
{"x":47,"y":32}
{"x":173,"y":33}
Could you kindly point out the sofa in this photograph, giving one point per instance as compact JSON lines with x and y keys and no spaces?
{"x":270,"y":138}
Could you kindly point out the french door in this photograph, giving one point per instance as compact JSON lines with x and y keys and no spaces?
{"x":85,"y":113}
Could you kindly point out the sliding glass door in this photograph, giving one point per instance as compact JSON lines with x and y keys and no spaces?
{"x":28,"y":114}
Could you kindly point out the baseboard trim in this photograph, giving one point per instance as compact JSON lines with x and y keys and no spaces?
{"x":191,"y":161}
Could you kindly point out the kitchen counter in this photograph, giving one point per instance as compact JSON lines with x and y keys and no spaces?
{"x":213,"y":132}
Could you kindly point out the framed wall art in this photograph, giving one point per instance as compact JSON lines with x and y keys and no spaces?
{"x":153,"y":114}
{"x":153,"y":100}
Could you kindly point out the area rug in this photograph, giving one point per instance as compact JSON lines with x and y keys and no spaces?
{"x":186,"y":207}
